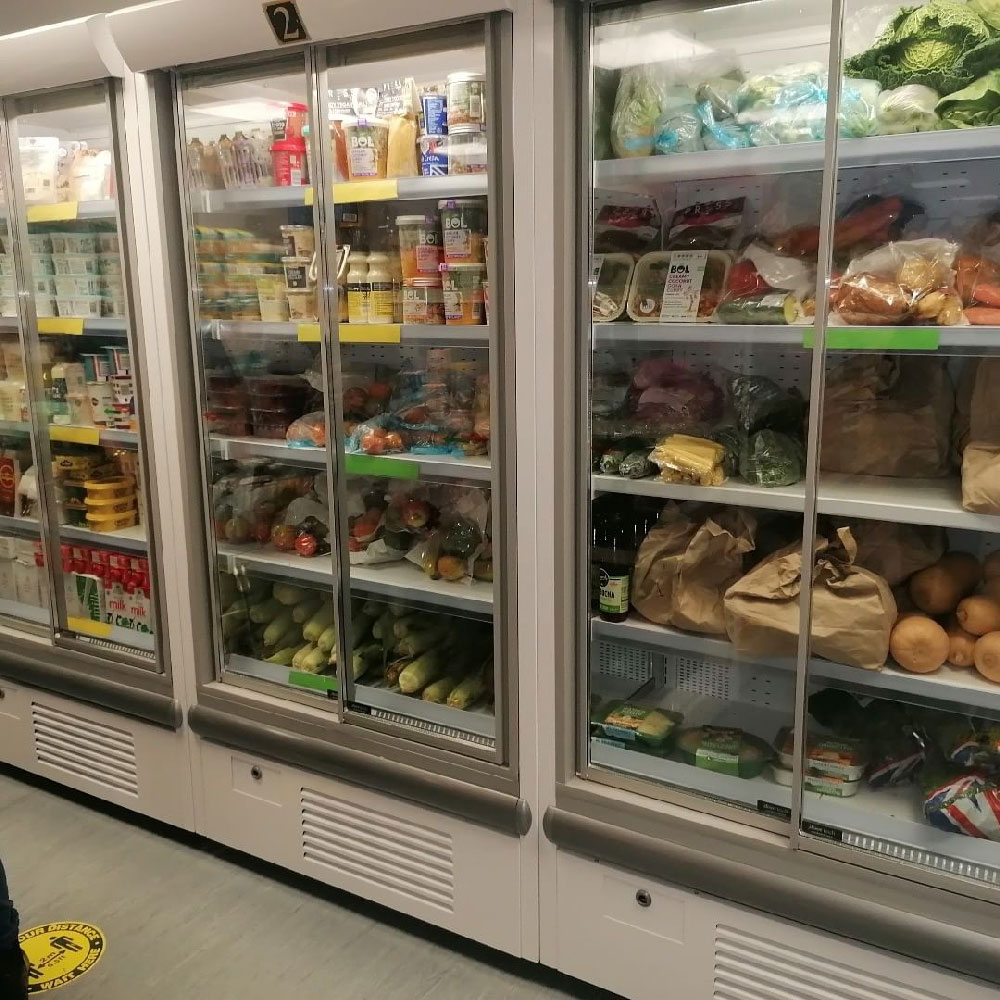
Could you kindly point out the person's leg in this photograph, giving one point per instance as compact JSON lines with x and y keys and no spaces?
{"x":13,"y":973}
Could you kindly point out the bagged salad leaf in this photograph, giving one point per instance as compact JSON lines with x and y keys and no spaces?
{"x":638,"y":105}
{"x":720,"y":94}
{"x":770,"y":458}
{"x":678,"y":126}
{"x":910,"y":108}
{"x":924,"y":45}
{"x":760,"y":403}
{"x":976,"y":105}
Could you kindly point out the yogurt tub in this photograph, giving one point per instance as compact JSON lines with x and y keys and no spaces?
{"x":74,"y":284}
{"x":41,"y":284}
{"x":300,"y":241}
{"x":467,"y":150}
{"x":466,"y":104}
{"x":107,"y":243}
{"x":297,"y":272}
{"x":110,"y":522}
{"x":273,"y":299}
{"x":109,"y":263}
{"x":434,"y":155}
{"x":423,"y":301}
{"x":302,"y":304}
{"x":41,"y":263}
{"x":113,"y":306}
{"x":73,"y":242}
{"x":45,"y":305}
{"x":87,"y":306}
{"x":38,"y":243}
{"x":463,"y":294}
{"x":75,"y":263}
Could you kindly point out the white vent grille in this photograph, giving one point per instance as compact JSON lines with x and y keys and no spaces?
{"x":384,"y":850}
{"x":624,"y":661}
{"x":703,"y":675}
{"x":748,"y":967}
{"x":100,"y":753}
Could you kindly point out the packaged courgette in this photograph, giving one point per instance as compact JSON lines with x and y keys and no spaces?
{"x":774,"y":308}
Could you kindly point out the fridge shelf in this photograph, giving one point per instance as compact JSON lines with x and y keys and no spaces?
{"x":128,"y":638}
{"x":127,"y":539}
{"x":963,"y":688}
{"x":883,"y":150}
{"x":277,"y":674}
{"x":393,"y":189}
{"x":109,"y":326}
{"x":610,"y":335}
{"x":66,"y":211}
{"x":26,"y":612}
{"x":456,"y":723}
{"x":731,"y":492}
{"x":351,"y":333}
{"x":401,"y":580}
{"x":27,"y":526}
{"x":78,"y":434}
{"x":430,"y":466}
{"x":14,"y":427}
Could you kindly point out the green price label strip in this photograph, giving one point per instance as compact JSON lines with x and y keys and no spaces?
{"x":377,"y":465}
{"x":318,"y":682}
{"x":889,"y":338}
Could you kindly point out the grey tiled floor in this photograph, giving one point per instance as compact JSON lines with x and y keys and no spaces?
{"x":184,"y":920}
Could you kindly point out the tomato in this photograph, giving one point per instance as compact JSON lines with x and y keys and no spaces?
{"x":305,"y":545}
{"x":283,"y":537}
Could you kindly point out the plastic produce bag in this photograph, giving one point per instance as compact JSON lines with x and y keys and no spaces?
{"x":974,"y":106}
{"x":771,"y":458}
{"x":638,"y":105}
{"x":964,"y":803}
{"x":678,"y":127}
{"x":886,"y":415}
{"x":907,"y":109}
{"x":308,"y":431}
{"x":760,"y":402}
{"x":605,"y":89}
{"x":683,"y":569}
{"x":852,"y":615}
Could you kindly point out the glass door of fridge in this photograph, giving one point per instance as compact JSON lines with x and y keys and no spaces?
{"x":85,"y":370}
{"x":412,"y":148}
{"x":24,"y":584}
{"x":703,"y":169}
{"x":261,"y":374}
{"x":902,"y":755}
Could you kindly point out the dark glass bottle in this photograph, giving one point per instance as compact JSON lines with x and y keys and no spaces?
{"x":615,"y":567}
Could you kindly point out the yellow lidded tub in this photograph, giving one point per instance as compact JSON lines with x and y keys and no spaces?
{"x":105,"y":508}
{"x":111,"y":488}
{"x":110,"y":522}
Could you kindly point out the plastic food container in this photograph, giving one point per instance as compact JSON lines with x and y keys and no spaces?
{"x":109,"y":263}
{"x":112,"y":284}
{"x":87,"y":306}
{"x":6,"y":266}
{"x":120,"y":360}
{"x":463,"y":294}
{"x":76,"y":263}
{"x":435,"y":109}
{"x":270,"y":423}
{"x":42,"y":263}
{"x":612,"y":285}
{"x":41,"y":284}
{"x":231,"y":421}
{"x":677,"y":286}
{"x":107,"y":243}
{"x":467,"y":150}
{"x":38,"y":243}
{"x":73,"y":284}
{"x":420,"y":252}
{"x":104,"y":508}
{"x":821,"y":784}
{"x":463,"y":226}
{"x":300,"y":241}
{"x":288,"y":159}
{"x":272,"y":297}
{"x":724,"y":750}
{"x":434,"y":155}
{"x":466,"y":104}
{"x":302,"y":304}
{"x":8,"y":305}
{"x":367,"y":148}
{"x":113,"y":305}
{"x":826,"y":755}
{"x":73,"y":242}
{"x":423,"y":301}
{"x":101,"y":402}
{"x":110,"y":522}
{"x":96,"y":367}
{"x":110,"y":488}
{"x":45,"y":305}
{"x":297,"y":272}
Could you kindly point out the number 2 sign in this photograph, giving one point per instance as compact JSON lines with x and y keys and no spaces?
{"x":285,"y":21}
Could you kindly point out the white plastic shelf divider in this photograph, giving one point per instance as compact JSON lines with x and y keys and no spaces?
{"x":749,"y":791}
{"x":453,"y":721}
{"x":731,"y":492}
{"x":217,"y":329}
{"x":965,"y":689}
{"x":911,"y":501}
{"x":127,"y":539}
{"x":409,"y":333}
{"x":626,"y":334}
{"x":26,"y":612}
{"x":884,"y":150}
{"x":19,"y":526}
{"x":401,"y":580}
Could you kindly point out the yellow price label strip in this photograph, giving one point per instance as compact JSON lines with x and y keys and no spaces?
{"x":308,"y":333}
{"x":60,"y":324}
{"x":370,"y":333}
{"x":74,"y":435}
{"x":307,"y":197}
{"x":61,"y":212}
{"x":348,"y":191}
{"x":101,"y":630}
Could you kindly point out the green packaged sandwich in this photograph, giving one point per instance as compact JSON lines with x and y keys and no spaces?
{"x":629,"y":722}
{"x":725,"y":750}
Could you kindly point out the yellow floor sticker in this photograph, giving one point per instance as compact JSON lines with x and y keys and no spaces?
{"x":59,"y":953}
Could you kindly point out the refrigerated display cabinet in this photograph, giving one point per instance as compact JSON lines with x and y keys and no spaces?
{"x":781,"y":325}
{"x":349,"y":416}
{"x":82,"y":579}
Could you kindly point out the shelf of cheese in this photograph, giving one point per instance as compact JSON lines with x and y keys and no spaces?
{"x":391,"y":189}
{"x":884,"y":150}
{"x":883,"y":498}
{"x":401,"y":580}
{"x":962,"y":688}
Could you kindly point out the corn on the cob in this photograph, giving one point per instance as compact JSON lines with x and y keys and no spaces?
{"x":686,"y":459}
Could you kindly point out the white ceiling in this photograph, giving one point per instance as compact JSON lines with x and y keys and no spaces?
{"x":20,"y":16}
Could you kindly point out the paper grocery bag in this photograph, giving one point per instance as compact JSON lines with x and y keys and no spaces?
{"x":712,"y":563}
{"x":896,"y":551}
{"x":981,"y":477}
{"x":658,"y":563}
{"x":984,"y":409}
{"x":852,"y":614}
{"x":887,"y":416}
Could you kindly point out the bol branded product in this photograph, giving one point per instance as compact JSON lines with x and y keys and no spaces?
{"x":420,"y":252}
{"x":463,"y":294}
{"x":463,"y":228}
{"x":367,"y":148}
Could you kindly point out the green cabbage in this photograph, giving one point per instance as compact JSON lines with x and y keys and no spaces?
{"x":924,"y":45}
{"x":988,"y":10}
{"x":975,"y":105}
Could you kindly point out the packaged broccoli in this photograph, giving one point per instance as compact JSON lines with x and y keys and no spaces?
{"x":771,"y":458}
{"x":761,"y":403}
